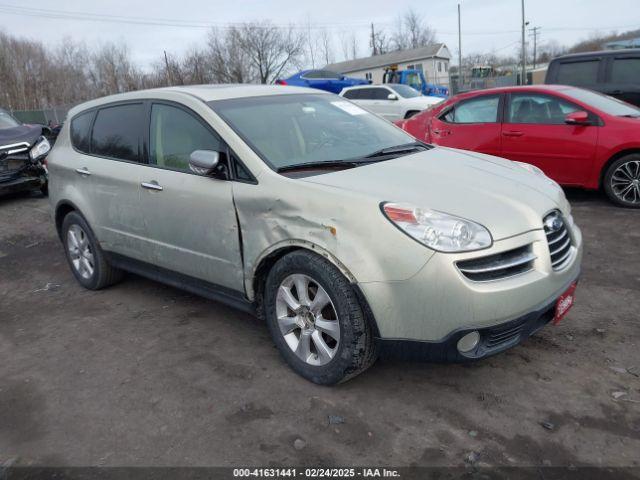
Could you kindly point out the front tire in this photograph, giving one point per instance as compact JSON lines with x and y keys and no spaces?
{"x":316,"y":320}
{"x":86,"y":258}
{"x":622,"y":181}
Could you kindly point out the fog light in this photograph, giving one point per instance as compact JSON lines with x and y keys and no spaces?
{"x":468,"y":342}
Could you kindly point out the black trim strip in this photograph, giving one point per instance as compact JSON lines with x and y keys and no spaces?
{"x":218,"y":293}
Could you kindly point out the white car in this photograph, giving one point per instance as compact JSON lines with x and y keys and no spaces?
{"x":392,"y":101}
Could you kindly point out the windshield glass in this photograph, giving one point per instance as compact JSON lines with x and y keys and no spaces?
{"x":7,"y":121}
{"x":288,"y":130}
{"x":609,"y":105}
{"x":406,"y":91}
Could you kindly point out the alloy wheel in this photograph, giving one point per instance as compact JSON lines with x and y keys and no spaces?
{"x":307,"y":319}
{"x":625,"y":182}
{"x":80,"y":251}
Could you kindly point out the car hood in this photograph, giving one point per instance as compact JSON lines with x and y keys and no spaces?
{"x":22,"y":133}
{"x":424,"y":101}
{"x":497,"y":193}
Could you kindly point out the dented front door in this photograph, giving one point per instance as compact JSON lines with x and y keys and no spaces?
{"x":191,"y":226}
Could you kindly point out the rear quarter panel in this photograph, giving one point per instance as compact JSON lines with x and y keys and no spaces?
{"x":65,"y":185}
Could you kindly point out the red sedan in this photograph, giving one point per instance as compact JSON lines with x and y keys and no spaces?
{"x":575,"y":136}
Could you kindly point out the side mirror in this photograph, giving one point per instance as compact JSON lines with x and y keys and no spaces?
{"x":392,"y":96}
{"x":577,"y":118}
{"x":203,"y":162}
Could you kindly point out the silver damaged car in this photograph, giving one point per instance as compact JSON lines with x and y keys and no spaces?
{"x":349,"y":237}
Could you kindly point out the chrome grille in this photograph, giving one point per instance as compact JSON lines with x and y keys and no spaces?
{"x":558,"y":238}
{"x":498,"y":266}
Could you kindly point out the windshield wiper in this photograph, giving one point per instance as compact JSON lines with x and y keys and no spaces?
{"x":404,"y":148}
{"x":319,"y":164}
{"x":358,"y":161}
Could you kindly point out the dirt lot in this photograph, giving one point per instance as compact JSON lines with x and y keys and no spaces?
{"x":143,"y":374}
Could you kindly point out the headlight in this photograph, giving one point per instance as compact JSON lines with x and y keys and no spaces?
{"x":437,"y":230}
{"x":40,"y":149}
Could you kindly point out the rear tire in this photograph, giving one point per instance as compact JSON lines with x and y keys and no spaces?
{"x":328,"y":315}
{"x":86,"y":258}
{"x":622,"y":181}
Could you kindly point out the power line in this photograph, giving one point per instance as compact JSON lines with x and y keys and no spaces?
{"x":166,"y":22}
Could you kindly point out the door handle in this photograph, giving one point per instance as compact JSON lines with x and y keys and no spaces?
{"x":153,"y":185}
{"x":512,"y":134}
{"x":83,"y":171}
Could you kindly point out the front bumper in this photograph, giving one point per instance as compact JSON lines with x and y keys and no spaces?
{"x":493,"y":340}
{"x":21,"y":184}
{"x":439,"y":300}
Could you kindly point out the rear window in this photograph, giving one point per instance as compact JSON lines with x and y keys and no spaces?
{"x":117,"y":132}
{"x":578,"y":73}
{"x":81,"y":132}
{"x":626,"y":70}
{"x":604,"y":103}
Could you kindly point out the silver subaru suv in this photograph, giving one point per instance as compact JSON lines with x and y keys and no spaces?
{"x":349,"y":237}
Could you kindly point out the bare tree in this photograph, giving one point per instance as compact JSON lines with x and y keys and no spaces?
{"x":311,"y":44}
{"x":270,"y":49}
{"x":379,"y":42}
{"x":326,"y":47}
{"x":229,"y":61}
{"x":411,"y":31}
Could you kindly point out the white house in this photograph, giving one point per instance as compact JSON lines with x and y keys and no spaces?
{"x":432,"y":60}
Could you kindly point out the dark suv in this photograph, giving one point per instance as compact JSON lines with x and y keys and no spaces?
{"x":23,"y":149}
{"x":612,"y":72}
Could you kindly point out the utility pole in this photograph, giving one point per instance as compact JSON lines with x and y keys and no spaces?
{"x":523,"y":78}
{"x":460,"y":80}
{"x":373,"y":41}
{"x":534,"y":32}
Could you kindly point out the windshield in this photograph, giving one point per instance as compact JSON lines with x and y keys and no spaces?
{"x":609,"y":105}
{"x":7,"y":121}
{"x":289,"y":130}
{"x":405,"y":91}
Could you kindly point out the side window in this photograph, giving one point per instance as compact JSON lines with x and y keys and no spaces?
{"x":322,"y":74}
{"x":81,"y":132}
{"x":538,"y":109}
{"x":367,"y":93}
{"x":625,"y":70}
{"x":175,"y":134}
{"x":476,"y":110}
{"x":241,"y":172}
{"x":352,"y":94}
{"x":117,"y":132}
{"x":578,"y":73}
{"x":381,"y":93}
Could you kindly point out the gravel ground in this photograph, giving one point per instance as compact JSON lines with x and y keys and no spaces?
{"x":142,"y":374}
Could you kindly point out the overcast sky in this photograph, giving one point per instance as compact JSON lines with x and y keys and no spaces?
{"x":487,"y":25}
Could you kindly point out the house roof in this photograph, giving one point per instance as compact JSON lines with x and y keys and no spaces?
{"x":391,"y":58}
